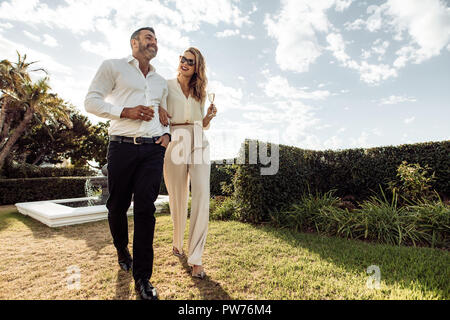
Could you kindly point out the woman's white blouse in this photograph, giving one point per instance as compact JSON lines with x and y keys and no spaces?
{"x":183,"y":109}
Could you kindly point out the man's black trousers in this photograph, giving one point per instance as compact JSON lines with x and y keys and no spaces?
{"x":134,"y":169}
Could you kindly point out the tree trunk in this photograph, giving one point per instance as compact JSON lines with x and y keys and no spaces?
{"x":3,"y":115}
{"x":15,"y":136}
{"x":39,"y":157}
{"x":4,"y":134}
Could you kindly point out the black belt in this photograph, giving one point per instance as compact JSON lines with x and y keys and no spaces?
{"x":134,"y":140}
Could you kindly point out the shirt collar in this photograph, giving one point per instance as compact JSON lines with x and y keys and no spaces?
{"x":131,"y":58}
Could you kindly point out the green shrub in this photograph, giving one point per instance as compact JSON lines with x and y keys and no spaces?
{"x":226,"y":210}
{"x":25,"y":170}
{"x":413,"y":182}
{"x":221,"y":179}
{"x":355,"y":172}
{"x":37,"y":189}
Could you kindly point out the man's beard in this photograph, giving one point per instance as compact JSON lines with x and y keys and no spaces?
{"x":144,"y":51}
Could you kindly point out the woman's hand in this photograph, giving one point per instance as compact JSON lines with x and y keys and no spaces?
{"x":209,"y":115}
{"x":212,"y":110}
{"x":164,"y":116}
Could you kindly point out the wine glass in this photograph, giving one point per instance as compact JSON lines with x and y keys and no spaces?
{"x":211,"y":97}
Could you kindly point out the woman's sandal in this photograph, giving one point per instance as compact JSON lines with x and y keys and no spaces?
{"x":177,"y":253}
{"x":200,"y":275}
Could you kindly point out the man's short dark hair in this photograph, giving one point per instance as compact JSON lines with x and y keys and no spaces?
{"x":135,"y":34}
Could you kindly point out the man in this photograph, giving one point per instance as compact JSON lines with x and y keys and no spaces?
{"x":135,"y":151}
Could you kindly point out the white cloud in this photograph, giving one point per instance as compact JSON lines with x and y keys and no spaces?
{"x":229,"y":97}
{"x":32,"y":36}
{"x":8,"y":49}
{"x":380,"y":47}
{"x":5,"y":26}
{"x":279,"y":87}
{"x":358,"y":24}
{"x":391,"y":100}
{"x":361,"y":141}
{"x":213,"y":12}
{"x":248,"y":37}
{"x":294,"y":29}
{"x":369,"y":73}
{"x":425,"y":25}
{"x":342,"y":5}
{"x":375,"y":21}
{"x":50,"y":41}
{"x":377,"y":132}
{"x":426,"y":22}
{"x":227,"y":33}
{"x":409,"y":120}
{"x":299,"y":120}
{"x":333,"y":143}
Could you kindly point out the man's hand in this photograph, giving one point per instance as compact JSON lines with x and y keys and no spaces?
{"x":163,"y":140}
{"x":164,"y":116}
{"x":138,"y":113}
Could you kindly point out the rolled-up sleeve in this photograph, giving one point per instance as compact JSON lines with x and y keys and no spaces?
{"x":163,"y":104}
{"x":101,"y":86}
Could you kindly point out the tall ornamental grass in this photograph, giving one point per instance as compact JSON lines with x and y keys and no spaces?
{"x":378,"y":219}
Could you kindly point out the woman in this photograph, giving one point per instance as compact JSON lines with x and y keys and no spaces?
{"x":185,"y":104}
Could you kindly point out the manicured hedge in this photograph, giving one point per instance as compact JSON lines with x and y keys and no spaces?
{"x":354,"y":172}
{"x":49,"y":188}
{"x":221,"y":174}
{"x":36,"y":189}
{"x":31,"y":171}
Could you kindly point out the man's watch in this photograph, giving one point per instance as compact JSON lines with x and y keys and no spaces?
{"x":170,"y":136}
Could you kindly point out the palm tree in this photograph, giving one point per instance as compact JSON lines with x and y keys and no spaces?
{"x":22,"y":100}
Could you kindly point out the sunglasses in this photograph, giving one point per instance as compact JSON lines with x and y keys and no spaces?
{"x":190,"y":62}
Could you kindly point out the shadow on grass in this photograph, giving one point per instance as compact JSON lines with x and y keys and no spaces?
{"x":9,"y":217}
{"x":95,"y":234}
{"x":209,"y":289}
{"x":123,"y":282}
{"x":406,"y":266}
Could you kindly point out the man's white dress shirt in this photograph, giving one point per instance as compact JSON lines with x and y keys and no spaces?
{"x":119,"y":83}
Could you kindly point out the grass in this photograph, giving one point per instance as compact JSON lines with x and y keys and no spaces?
{"x":242,"y":261}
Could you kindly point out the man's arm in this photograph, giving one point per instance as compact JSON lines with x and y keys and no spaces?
{"x":101,"y":86}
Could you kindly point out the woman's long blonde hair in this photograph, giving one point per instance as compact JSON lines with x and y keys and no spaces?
{"x":198,"y":82}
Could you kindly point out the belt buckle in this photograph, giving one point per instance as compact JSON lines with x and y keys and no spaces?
{"x":134,"y":141}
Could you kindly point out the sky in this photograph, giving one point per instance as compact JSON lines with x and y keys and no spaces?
{"x":322,"y":74}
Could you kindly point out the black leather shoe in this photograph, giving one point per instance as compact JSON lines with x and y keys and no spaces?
{"x":145,"y":290}
{"x":125,"y":259}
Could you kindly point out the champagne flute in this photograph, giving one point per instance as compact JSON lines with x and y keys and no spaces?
{"x":211,"y":97}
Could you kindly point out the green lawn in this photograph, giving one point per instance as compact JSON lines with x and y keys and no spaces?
{"x":242,"y":261}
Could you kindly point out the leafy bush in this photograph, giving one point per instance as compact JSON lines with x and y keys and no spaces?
{"x":226,"y":210}
{"x":25,"y":170}
{"x":221,"y":179}
{"x":414,"y":182}
{"x":37,"y":189}
{"x":355,"y":172}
